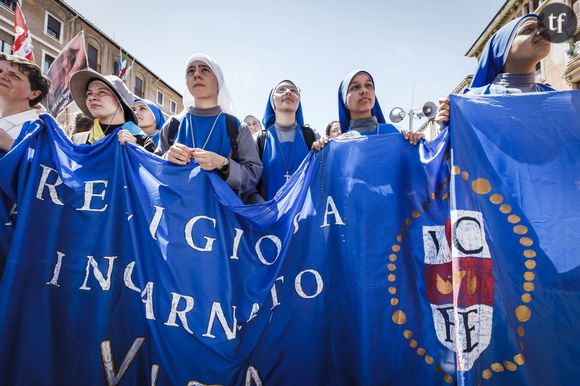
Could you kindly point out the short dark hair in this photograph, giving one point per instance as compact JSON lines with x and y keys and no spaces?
{"x":82,"y":123}
{"x":38,"y":81}
{"x":329,"y":126}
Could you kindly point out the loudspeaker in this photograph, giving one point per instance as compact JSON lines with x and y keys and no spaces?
{"x":429,"y":110}
{"x":397,"y":115}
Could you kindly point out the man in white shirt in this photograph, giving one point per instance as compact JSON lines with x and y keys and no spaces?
{"x":22,"y":85}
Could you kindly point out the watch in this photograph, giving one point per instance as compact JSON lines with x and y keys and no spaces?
{"x":225,"y":165}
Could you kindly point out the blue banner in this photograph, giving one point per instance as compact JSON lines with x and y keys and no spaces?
{"x":367,"y":268}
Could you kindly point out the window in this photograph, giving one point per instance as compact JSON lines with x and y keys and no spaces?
{"x":7,"y":4}
{"x":540,"y":71}
{"x":47,"y":60}
{"x":139,"y":87}
{"x":160,"y":98}
{"x":53,"y":27}
{"x":172,"y":106}
{"x":93,"y":55}
{"x":5,"y":47}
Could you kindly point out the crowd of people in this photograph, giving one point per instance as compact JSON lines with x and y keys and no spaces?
{"x":254,"y":158}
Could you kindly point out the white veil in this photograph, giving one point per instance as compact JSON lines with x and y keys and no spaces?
{"x":224,"y":98}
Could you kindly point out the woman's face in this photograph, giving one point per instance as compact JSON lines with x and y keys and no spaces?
{"x":146,"y":119}
{"x":102,"y":102}
{"x":201,"y":81}
{"x":286,"y":97}
{"x":253,"y":124}
{"x":334,"y":130}
{"x":360,"y":96}
{"x":531,"y":44}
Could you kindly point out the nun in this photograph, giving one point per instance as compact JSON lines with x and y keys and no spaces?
{"x":209,"y":133}
{"x":359,"y":109}
{"x":150,"y":118}
{"x":508,"y":62}
{"x":286,"y":141}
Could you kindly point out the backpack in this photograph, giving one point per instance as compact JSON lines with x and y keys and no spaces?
{"x":307,"y":132}
{"x":231,"y":126}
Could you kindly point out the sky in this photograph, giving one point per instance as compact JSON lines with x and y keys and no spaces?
{"x":414,"y":49}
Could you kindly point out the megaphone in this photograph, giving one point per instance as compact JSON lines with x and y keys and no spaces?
{"x":429,"y":110}
{"x":397,"y":115}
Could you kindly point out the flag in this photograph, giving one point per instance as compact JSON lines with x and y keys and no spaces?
{"x":71,"y":59}
{"x":121,"y":268}
{"x":22,"y":41}
{"x":124,"y":67}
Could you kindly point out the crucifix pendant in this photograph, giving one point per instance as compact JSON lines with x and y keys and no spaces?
{"x":286,"y":176}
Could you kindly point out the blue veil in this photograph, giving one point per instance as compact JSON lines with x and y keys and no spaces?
{"x":270,"y":114}
{"x":344,"y":113}
{"x":496,"y":51}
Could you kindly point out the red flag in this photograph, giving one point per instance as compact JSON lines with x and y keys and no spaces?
{"x":22,"y":42}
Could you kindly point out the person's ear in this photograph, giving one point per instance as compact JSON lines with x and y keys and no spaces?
{"x":33,"y":94}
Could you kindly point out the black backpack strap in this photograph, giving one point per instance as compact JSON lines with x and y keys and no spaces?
{"x":261,"y":142}
{"x":172,"y":130}
{"x":232,"y":126}
{"x":309,"y":136}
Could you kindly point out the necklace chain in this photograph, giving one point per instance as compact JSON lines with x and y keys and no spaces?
{"x":210,"y":132}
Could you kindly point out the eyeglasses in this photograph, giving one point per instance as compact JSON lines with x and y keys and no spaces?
{"x":283,"y":90}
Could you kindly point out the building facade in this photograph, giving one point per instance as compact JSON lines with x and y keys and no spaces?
{"x":53,"y":23}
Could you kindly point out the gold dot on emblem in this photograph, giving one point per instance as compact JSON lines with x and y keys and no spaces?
{"x":529,"y":276}
{"x":408,"y":221}
{"x":481,"y":186}
{"x":455,"y":170}
{"x":486,"y":374}
{"x":529,"y":253}
{"x":407,"y":334}
{"x":391,"y":267}
{"x":465,"y":175}
{"x":519,"y":359}
{"x":505,"y":208}
{"x":399,"y":317}
{"x":514,"y":218}
{"x":394,"y":301}
{"x":523,"y":313}
{"x":526,"y":298}
{"x":393,"y":257}
{"x":448,"y":378}
{"x":438,"y":368}
{"x":433,"y":195}
{"x":497,"y":367}
{"x":441,"y":185}
{"x":529,"y":286}
{"x":392,"y":290}
{"x":399,"y":238}
{"x":396,"y":248}
{"x":445,"y":196}
{"x":530,"y":264}
{"x":520,"y":230}
{"x":428,"y":359}
{"x":412,"y":343}
{"x":447,"y":179}
{"x":404,"y":229}
{"x":510,"y":366}
{"x":496,"y":199}
{"x":391,"y":278}
{"x":521,"y":331}
{"x":526,"y":241}
{"x":421,"y":351}
{"x":416,"y":214}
